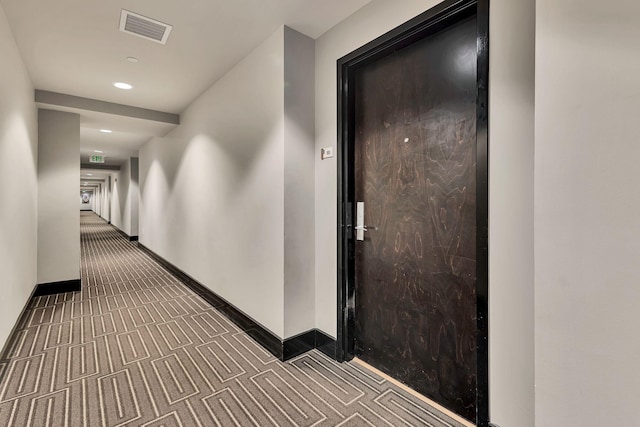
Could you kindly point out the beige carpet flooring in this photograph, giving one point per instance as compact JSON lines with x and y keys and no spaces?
{"x":135,"y":347}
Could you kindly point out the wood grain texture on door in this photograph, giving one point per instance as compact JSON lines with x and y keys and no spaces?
{"x":415,"y":154}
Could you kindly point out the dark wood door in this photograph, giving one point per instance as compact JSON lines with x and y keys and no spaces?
{"x":415,"y":171}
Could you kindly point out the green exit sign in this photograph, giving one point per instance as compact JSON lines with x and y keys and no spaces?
{"x":96,"y":159}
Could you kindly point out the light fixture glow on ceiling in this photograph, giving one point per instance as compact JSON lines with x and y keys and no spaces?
{"x":121,"y":85}
{"x":89,"y":174}
{"x":105,"y":131}
{"x":97,"y":151}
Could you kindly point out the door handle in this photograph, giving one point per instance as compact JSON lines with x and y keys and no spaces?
{"x":365,"y":227}
{"x":360,"y":227}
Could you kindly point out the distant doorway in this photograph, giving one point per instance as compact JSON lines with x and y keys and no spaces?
{"x":86,"y":200}
{"x":413,"y":206}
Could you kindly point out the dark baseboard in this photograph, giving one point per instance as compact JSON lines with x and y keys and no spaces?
{"x":262,"y":335}
{"x":301,"y":343}
{"x":283,"y":350}
{"x":120,"y":232}
{"x":125,"y":235}
{"x":313,"y":339}
{"x":38,"y":290}
{"x":325,"y":344}
{"x":12,"y":338}
{"x":57,"y":287}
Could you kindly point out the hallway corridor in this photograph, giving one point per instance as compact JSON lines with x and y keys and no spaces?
{"x":136,"y":347}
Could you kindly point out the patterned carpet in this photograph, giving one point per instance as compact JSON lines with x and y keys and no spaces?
{"x":135,"y":347}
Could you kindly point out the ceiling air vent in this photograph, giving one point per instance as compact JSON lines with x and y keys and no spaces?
{"x":138,"y":25}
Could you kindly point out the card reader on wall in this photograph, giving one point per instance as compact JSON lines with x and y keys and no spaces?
{"x":326,"y":153}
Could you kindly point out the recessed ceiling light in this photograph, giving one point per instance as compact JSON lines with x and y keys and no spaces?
{"x":132,"y":59}
{"x":121,"y":85}
{"x":105,"y":131}
{"x":97,"y":151}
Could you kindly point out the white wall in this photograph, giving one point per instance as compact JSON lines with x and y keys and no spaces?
{"x":511,"y":262}
{"x":118,"y":198}
{"x":228,"y":195}
{"x":125,"y":197}
{"x":212,"y":190}
{"x":511,"y":191}
{"x":58,"y":177}
{"x":105,"y":200}
{"x":18,"y":182}
{"x":97,"y":197}
{"x":299,"y":231}
{"x":587,"y":236}
{"x":134,"y":195}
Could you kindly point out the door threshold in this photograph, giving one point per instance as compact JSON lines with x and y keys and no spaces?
{"x":412,"y":392}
